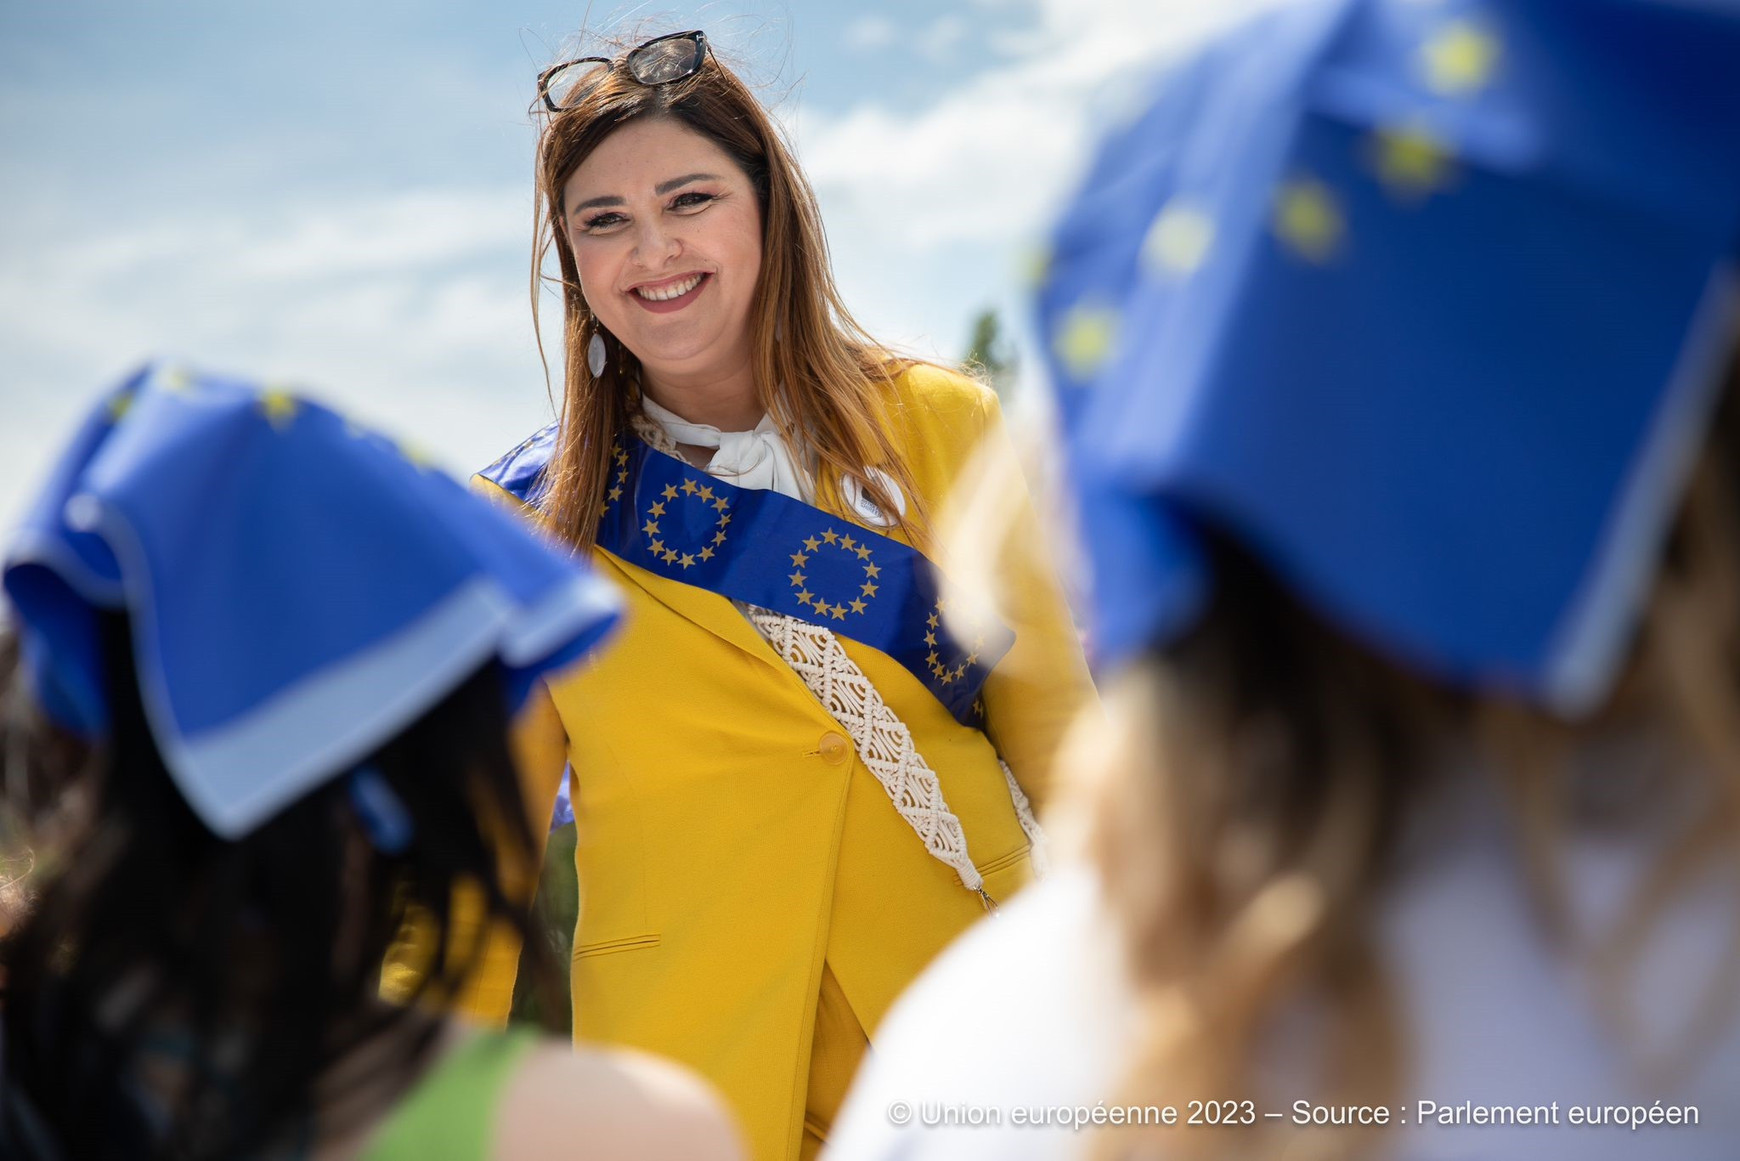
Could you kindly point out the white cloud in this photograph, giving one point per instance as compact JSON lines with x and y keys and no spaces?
{"x":987,"y":159}
{"x":419,"y":229}
{"x":942,"y":37}
{"x":933,"y":212}
{"x":410,"y":311}
{"x":870,"y":33}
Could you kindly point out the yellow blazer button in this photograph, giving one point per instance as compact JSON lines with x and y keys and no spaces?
{"x":835,"y":749}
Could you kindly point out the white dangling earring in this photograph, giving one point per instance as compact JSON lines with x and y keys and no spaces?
{"x":595,"y":354}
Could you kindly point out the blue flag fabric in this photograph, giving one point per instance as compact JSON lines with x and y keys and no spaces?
{"x":1425,"y":304}
{"x":299,"y":589}
{"x":781,"y":554}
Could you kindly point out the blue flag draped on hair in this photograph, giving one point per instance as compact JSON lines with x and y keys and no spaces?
{"x":299,"y":590}
{"x":1422,"y":304}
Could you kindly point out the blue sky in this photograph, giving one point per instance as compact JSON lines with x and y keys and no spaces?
{"x":338,"y":195}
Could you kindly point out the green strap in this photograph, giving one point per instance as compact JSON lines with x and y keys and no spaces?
{"x":451,"y":1111}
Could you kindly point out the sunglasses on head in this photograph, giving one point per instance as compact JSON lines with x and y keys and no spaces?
{"x":659,"y":61}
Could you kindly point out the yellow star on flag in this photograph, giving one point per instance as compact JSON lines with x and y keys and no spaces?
{"x":847,"y":543}
{"x":119,"y":406}
{"x":279,"y":407}
{"x":805,"y":596}
{"x":798,"y":578}
{"x":839,"y":612}
{"x":687,"y":560}
{"x":670,"y":491}
{"x":1085,"y":338}
{"x":872,"y":571}
{"x":1308,"y":219}
{"x":417,"y":455}
{"x":1459,"y":59}
{"x":1180,"y":239}
{"x":657,"y":547}
{"x":176,"y":380}
{"x":858,"y":606}
{"x":706,"y":554}
{"x":706,"y":492}
{"x":863,"y":553}
{"x":670,"y":556}
{"x":657,"y":509}
{"x":1411,"y":161}
{"x":615,"y":493}
{"x":823,"y":608}
{"x":869,"y":589}
{"x":812,"y":544}
{"x":800,"y":558}
{"x":831,"y":536}
{"x":651,"y":527}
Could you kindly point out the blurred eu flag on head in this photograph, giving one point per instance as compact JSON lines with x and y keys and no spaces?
{"x":1424,"y":303}
{"x":299,"y":590}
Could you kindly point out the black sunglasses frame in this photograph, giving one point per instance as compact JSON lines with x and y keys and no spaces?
{"x":626,"y":60}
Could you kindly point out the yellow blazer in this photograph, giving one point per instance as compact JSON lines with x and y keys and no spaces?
{"x":730,"y":840}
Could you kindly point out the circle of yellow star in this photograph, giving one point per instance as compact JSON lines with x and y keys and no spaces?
{"x":417,"y":455}
{"x":1411,"y":161}
{"x":1459,"y":59}
{"x":688,"y":492}
{"x":176,"y":380}
{"x":1308,"y":219}
{"x":278,"y":406}
{"x":1085,"y":338}
{"x":855,"y":550}
{"x":1180,"y":239}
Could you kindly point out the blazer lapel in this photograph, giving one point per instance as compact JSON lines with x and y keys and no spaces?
{"x":708,"y":609}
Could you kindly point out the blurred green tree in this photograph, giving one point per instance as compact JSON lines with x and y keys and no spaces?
{"x":989,"y":353}
{"x":554,"y":912}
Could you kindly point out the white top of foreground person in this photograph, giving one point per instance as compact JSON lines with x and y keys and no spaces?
{"x":1501,"y":1025}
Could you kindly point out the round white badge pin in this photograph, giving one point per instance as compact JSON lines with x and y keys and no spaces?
{"x":862,"y":503}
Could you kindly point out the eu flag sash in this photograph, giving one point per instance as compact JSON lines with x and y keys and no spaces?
{"x":773,"y":551}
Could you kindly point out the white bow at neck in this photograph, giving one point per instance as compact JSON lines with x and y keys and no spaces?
{"x":758,"y":458}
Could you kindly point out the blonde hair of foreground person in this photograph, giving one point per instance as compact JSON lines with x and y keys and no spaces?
{"x":1245,"y":817}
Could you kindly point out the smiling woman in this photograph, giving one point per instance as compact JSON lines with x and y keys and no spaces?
{"x":672,"y":264}
{"x":793,"y":786}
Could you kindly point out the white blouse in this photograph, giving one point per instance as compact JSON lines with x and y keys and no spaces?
{"x":1027,"y":1015}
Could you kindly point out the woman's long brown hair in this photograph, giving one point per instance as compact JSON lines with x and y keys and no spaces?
{"x":824,"y":381}
{"x":1246,"y":818}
